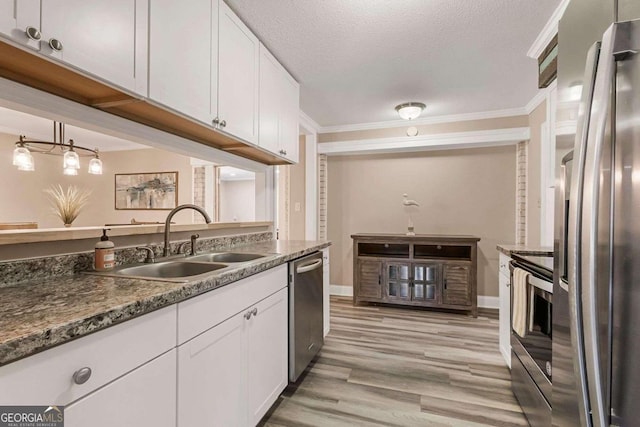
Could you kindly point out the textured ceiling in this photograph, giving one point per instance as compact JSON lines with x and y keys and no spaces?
{"x":356,"y":59}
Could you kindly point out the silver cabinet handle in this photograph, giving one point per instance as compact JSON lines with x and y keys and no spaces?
{"x":223,"y":123}
{"x":82,"y":375}
{"x":247,"y":315}
{"x":33,"y":33}
{"x":55,"y":44}
{"x":254,"y":311}
{"x":215,"y":121}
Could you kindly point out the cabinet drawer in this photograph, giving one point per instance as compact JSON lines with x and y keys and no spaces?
{"x":205,"y":311}
{"x":144,"y":397}
{"x":47,"y":377}
{"x":504,"y":265}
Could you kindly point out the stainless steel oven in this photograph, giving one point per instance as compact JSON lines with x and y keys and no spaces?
{"x":531,"y":339}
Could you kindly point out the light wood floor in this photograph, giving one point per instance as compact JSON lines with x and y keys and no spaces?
{"x":396,"y":367}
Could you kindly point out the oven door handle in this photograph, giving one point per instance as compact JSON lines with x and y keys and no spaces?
{"x":574,"y":233}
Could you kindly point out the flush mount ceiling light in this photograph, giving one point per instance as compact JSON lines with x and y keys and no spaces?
{"x":410,"y":110}
{"x":71,"y":153}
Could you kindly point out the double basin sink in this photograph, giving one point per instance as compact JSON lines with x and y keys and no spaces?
{"x":183,"y":268}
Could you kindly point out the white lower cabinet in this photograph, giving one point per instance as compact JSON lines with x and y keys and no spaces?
{"x":326,"y":291}
{"x":143,"y":397}
{"x":267,"y":354}
{"x":504,"y":281}
{"x":231,"y":374}
{"x":212,"y":376}
{"x":228,"y":368}
{"x":232,"y":353}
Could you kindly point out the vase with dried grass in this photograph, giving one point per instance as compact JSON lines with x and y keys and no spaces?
{"x":67,"y":204}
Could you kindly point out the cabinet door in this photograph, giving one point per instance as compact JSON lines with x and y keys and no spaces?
{"x":326,"y":291}
{"x":267,"y":354}
{"x":289,"y":118}
{"x":398,"y":281}
{"x":16,"y":16}
{"x":369,"y":278}
{"x":238,"y":77}
{"x":212,"y":376}
{"x":425,"y":282}
{"x":270,"y":101}
{"x":143,"y":397}
{"x":105,"y":38}
{"x":505,"y":317}
{"x":456,"y":288}
{"x":183,"y":56}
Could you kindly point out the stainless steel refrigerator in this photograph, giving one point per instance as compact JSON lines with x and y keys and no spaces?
{"x":596,"y":300}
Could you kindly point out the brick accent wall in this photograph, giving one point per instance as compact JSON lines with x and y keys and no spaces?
{"x":521,"y":192}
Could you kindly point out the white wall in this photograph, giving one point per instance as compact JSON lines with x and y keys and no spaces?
{"x":237,"y":200}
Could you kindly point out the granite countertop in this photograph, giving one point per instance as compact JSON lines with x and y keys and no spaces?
{"x":525,"y":250}
{"x":37,"y":315}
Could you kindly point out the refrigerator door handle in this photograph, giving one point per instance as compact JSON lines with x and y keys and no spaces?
{"x":574,"y":233}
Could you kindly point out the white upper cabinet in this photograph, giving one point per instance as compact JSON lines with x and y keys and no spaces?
{"x":237,"y":77}
{"x":183,"y":56}
{"x":105,"y":38}
{"x":279,"y":105}
{"x":18,"y":16}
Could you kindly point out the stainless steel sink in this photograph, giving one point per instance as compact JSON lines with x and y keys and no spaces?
{"x":226,"y":257}
{"x":170,"y":271}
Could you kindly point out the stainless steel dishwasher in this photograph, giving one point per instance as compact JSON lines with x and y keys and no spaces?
{"x":305,"y":312}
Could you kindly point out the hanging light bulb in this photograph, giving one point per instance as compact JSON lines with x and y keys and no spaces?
{"x":26,"y":164}
{"x":95,"y":165}
{"x":70,"y":171}
{"x":71,"y":160}
{"x":22,"y":157}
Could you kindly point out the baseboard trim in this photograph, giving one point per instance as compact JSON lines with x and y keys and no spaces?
{"x":488,"y":302}
{"x":483,"y":301}
{"x":340,"y":290}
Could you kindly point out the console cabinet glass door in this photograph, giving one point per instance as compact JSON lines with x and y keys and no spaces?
{"x":412,"y":282}
{"x":425,"y":281}
{"x":398,"y":281}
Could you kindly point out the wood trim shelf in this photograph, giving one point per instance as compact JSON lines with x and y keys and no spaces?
{"x":27,"y":67}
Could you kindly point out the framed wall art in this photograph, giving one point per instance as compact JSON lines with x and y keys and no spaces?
{"x":146,"y":191}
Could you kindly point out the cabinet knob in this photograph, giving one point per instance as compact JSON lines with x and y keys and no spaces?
{"x":33,"y":33}
{"x":250,"y":313}
{"x":55,"y":44}
{"x":82,"y":375}
{"x":223,"y":123}
{"x":215,"y":121}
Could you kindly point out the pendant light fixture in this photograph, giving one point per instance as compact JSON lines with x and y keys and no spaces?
{"x":410,"y":110}
{"x":70,"y":152}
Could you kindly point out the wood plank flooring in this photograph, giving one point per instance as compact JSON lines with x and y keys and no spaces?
{"x":384,"y":366}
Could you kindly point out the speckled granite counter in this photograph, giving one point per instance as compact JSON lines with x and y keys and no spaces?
{"x":525,"y":250}
{"x":44,"y":313}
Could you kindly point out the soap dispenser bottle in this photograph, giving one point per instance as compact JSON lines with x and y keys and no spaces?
{"x":104,"y":258}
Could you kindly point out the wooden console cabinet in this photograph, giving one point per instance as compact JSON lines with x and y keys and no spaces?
{"x":422,"y":270}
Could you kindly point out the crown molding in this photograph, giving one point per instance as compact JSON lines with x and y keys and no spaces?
{"x":538,"y":99}
{"x":548,"y":31}
{"x":443,"y":141}
{"x":308,"y":124}
{"x":482,"y":115}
